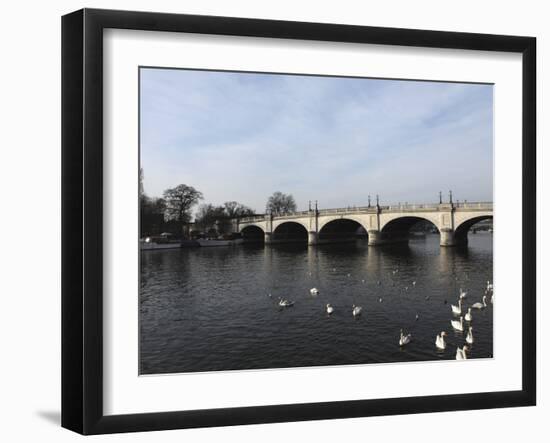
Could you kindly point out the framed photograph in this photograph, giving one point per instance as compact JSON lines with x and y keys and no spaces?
{"x":269,"y":221}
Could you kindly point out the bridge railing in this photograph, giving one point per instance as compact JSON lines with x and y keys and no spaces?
{"x":347,"y":210}
{"x":474,"y":205}
{"x":413,"y":206}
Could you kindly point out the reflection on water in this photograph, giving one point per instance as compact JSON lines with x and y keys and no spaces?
{"x":207,"y":309}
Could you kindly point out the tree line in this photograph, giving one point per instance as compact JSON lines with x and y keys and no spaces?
{"x":173,"y":212}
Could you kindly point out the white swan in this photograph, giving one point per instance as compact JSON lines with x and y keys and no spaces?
{"x":440,"y":341}
{"x":463,"y":294}
{"x":414,"y":283}
{"x":461,"y":353}
{"x":457,"y":309}
{"x":468,"y":316}
{"x":330,"y":309}
{"x":458,"y":324}
{"x":284,"y":303}
{"x":470,"y":336}
{"x":479,"y":305}
{"x":404,"y":339}
{"x":356,"y":310}
{"x":314,"y":291}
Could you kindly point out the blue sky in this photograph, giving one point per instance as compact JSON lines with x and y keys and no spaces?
{"x":242,"y":136}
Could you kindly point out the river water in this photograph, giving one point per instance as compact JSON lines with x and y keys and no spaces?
{"x":210,"y":309}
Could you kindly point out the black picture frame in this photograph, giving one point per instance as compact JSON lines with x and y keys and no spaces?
{"x":82,"y":218}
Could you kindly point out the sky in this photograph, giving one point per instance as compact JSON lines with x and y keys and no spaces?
{"x":243,"y":136}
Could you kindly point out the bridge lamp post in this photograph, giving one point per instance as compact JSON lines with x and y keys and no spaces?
{"x":440,"y":198}
{"x":369,"y":201}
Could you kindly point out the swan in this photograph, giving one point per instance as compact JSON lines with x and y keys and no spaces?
{"x":414,"y":283}
{"x":380,"y":300}
{"x":470,"y":336}
{"x":457,"y":309}
{"x":356,"y":310}
{"x":314,"y":291}
{"x":463,"y":294}
{"x":468,"y":316}
{"x":330,"y":309}
{"x":404,"y":339}
{"x":489,"y":286}
{"x":479,"y":305}
{"x":461,"y":353}
{"x":284,"y":303}
{"x":440,"y":341}
{"x":458,"y":324}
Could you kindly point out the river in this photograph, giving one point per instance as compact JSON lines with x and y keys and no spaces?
{"x":210,"y":309}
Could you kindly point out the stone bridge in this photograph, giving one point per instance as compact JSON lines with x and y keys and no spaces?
{"x":382,"y":224}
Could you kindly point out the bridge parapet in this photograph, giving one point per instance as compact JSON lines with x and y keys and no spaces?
{"x":256,"y":218}
{"x":484,"y":206}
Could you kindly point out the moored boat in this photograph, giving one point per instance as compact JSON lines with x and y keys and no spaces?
{"x":165,"y":240}
{"x":216,"y":242}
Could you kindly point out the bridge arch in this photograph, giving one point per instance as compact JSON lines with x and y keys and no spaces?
{"x":341,"y":229}
{"x":325,"y":220}
{"x":252,"y":233}
{"x":403,"y":223}
{"x":290,"y":232}
{"x":277,"y":223}
{"x":461,"y":230}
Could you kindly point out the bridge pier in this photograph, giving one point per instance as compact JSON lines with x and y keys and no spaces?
{"x":375,"y":237}
{"x":312,"y":238}
{"x":447,"y":237}
{"x":267,"y":238}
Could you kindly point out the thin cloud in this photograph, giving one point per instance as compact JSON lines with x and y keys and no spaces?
{"x":238,"y":136}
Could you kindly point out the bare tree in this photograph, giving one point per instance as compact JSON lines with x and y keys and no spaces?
{"x":179,"y":201}
{"x":151,"y":215}
{"x":280,"y":203}
{"x":209,"y":216}
{"x":235,"y":209}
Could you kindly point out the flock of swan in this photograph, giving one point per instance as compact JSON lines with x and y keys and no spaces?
{"x":458,"y":324}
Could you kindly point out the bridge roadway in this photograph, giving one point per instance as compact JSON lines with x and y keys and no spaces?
{"x":383,"y":224}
